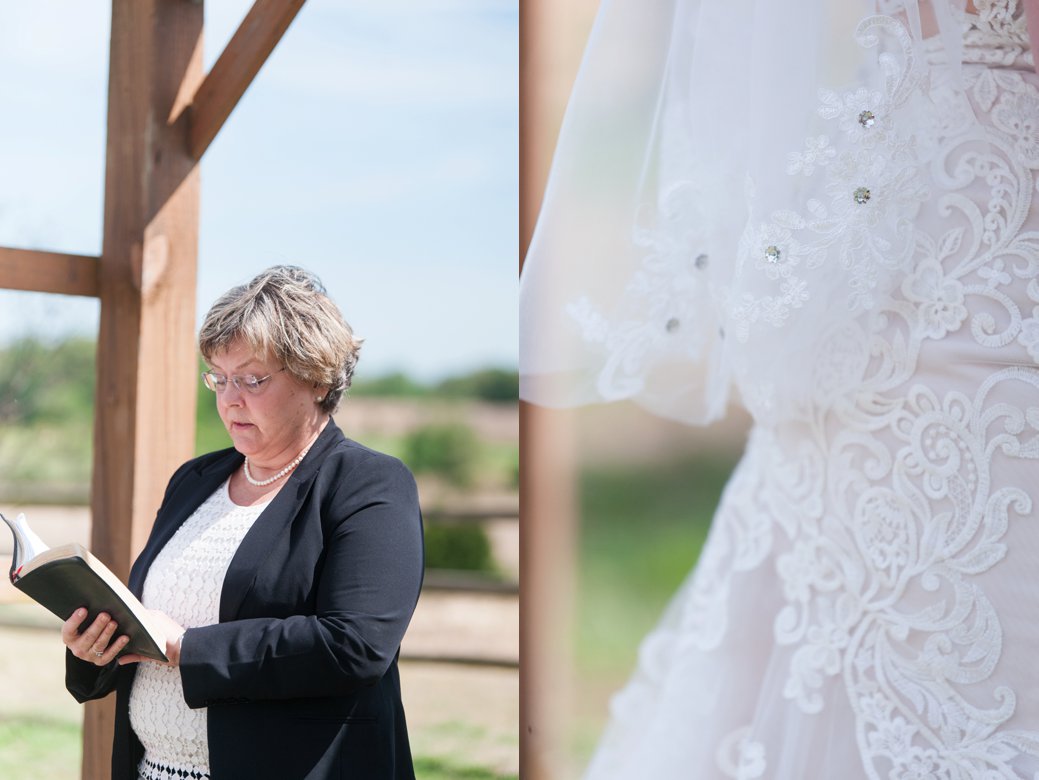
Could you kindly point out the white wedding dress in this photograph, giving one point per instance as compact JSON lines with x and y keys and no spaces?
{"x":867,"y":603}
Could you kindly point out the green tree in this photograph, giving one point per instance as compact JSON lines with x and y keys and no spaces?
{"x":449,"y":450}
{"x":497,"y":385}
{"x":42,"y":382}
{"x":458,"y":546}
{"x":394,"y":385}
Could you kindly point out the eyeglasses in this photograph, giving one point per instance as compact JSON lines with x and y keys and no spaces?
{"x":246,"y":383}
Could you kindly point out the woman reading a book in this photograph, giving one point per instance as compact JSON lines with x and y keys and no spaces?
{"x":284,"y":570}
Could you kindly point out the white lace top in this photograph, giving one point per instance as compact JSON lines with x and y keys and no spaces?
{"x":184,"y":582}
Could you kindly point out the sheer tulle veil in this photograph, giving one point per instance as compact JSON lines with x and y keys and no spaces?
{"x":734,"y":180}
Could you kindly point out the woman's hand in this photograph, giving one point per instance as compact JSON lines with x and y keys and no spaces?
{"x":173,"y":632}
{"x":95,"y":644}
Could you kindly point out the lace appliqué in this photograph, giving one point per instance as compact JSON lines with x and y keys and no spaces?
{"x":1029,"y":335}
{"x":667,"y":294}
{"x":915,"y":507}
{"x":873,"y":187}
{"x":910,"y":473}
{"x":740,"y":757}
{"x":997,"y":35}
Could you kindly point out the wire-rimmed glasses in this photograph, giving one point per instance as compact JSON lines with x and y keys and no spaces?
{"x":246,"y":383}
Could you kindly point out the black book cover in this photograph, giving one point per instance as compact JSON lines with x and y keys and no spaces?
{"x":63,"y":579}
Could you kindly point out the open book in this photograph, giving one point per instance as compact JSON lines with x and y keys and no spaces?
{"x":66,"y":578}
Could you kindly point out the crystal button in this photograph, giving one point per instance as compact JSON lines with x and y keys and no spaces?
{"x":867,"y":119}
{"x":861,"y":195}
{"x":772,"y":253}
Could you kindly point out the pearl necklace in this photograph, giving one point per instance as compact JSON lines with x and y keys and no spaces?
{"x":276,"y":477}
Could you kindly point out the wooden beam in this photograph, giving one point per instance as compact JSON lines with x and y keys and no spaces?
{"x":145,"y":401}
{"x":236,"y":68}
{"x":50,"y":272}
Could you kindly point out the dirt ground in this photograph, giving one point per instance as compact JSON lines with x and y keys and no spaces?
{"x":394,"y":417}
{"x":465,"y":713}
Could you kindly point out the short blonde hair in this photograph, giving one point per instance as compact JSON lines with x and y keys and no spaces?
{"x":284,"y":314}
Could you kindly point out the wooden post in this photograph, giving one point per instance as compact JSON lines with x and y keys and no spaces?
{"x":159,"y":123}
{"x":145,"y":413}
{"x":552,"y":37}
{"x":547,"y":561}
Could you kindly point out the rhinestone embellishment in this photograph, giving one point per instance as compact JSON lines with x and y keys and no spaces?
{"x":672,"y":325}
{"x":867,"y":119}
{"x":861,"y":195}
{"x":772,"y":253}
{"x":700,"y":261}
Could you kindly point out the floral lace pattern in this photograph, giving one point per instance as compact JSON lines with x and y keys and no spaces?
{"x":185,"y":581}
{"x":996,"y":35}
{"x":872,"y":189}
{"x":916,"y":500}
{"x":885,"y":506}
{"x":665,"y":294}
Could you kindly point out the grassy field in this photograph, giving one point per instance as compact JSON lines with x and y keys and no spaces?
{"x":41,"y":748}
{"x":642,"y":531}
{"x":439,"y":769}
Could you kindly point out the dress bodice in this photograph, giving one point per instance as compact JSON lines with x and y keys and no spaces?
{"x":994,"y":34}
{"x":997,"y":35}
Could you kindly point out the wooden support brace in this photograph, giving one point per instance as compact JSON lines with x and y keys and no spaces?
{"x":50,"y":272}
{"x":236,"y":68}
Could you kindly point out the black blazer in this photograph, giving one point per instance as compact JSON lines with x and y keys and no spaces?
{"x":300,"y":674}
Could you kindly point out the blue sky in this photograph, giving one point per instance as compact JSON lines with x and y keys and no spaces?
{"x":378,"y":147}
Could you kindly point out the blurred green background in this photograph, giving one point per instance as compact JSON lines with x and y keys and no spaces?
{"x":643,"y":520}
